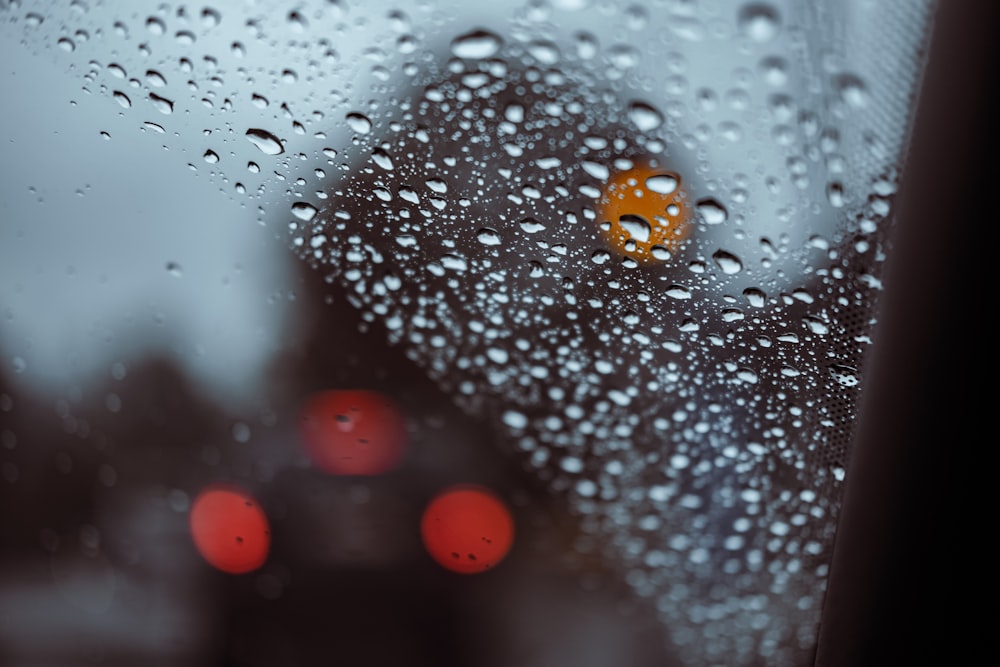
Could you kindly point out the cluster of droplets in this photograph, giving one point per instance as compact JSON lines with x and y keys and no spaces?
{"x":693,"y":409}
{"x":696,"y":423}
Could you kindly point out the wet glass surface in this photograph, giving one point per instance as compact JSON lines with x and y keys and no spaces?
{"x":614,"y":265}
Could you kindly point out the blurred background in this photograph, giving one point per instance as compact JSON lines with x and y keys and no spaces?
{"x":210,"y":213}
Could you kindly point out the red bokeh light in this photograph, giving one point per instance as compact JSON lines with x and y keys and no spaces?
{"x":353,"y":432}
{"x":467,"y":529}
{"x":229,"y":529}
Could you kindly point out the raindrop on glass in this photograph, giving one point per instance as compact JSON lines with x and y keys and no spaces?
{"x":162,"y":104}
{"x":154,"y":78}
{"x":304,"y":211}
{"x":852,"y":90}
{"x":727,"y":261}
{"x":531,"y":226}
{"x":476,"y":44}
{"x":637,"y":227}
{"x":644,"y":116}
{"x":156,"y":25}
{"x":265,"y":141}
{"x":711,"y":211}
{"x":488,"y":236}
{"x":359,"y":123}
{"x":382,"y":159}
{"x":760,"y":22}
{"x":662,"y":184}
{"x":210,"y":17}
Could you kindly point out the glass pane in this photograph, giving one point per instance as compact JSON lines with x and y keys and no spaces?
{"x":274,"y":279}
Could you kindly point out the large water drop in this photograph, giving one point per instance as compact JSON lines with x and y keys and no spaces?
{"x":644,"y":116}
{"x":476,"y":44}
{"x":265,"y":141}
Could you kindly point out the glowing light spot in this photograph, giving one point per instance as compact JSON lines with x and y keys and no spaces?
{"x":643,"y":213}
{"x":353,"y":432}
{"x":229,"y":529}
{"x":467,"y":529}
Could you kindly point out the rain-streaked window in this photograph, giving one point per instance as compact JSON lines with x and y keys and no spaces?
{"x":437,"y":333}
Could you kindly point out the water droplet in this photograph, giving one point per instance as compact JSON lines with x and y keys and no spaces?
{"x":174,"y":269}
{"x":265,"y":141}
{"x":774,"y":70}
{"x":515,"y":419}
{"x":586,"y":45}
{"x":835,"y":194}
{"x":304,"y":211}
{"x":122,"y":99}
{"x":728,"y":262}
{"x":852,"y":90}
{"x":531,"y":226}
{"x":162,"y":104}
{"x":760,"y":22}
{"x":382,"y":159}
{"x":637,"y":227}
{"x":544,"y":51}
{"x":66,"y":44}
{"x":624,"y":56}
{"x":645,"y":116}
{"x":678,"y":292}
{"x":732,"y":315}
{"x":662,"y":184}
{"x":596,"y":169}
{"x":816,"y":325}
{"x":747,"y":375}
{"x":454,"y":262}
{"x":476,"y":44}
{"x":154,"y":78}
{"x":600,"y":256}
{"x":488,"y":236}
{"x":711,"y":211}
{"x":297,"y":21}
{"x":156,"y":25}
{"x":661,"y":253}
{"x":359,"y":123}
{"x":548,"y":162}
{"x":755,"y":297}
{"x":210,"y":17}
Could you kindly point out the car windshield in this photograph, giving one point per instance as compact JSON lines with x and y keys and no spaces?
{"x":436,"y":333}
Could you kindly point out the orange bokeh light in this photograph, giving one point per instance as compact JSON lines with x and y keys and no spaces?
{"x":467,"y":529}
{"x":643,"y":213}
{"x":353,"y":432}
{"x":229,"y":529}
